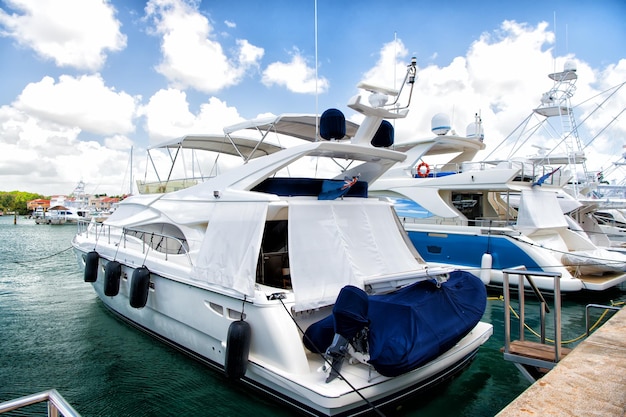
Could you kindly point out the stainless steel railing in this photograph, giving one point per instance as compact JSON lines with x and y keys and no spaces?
{"x":150,"y":240}
{"x":543,"y":306}
{"x":56,"y":404}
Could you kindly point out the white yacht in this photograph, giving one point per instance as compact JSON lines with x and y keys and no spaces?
{"x":301,"y":287}
{"x":490,"y":216}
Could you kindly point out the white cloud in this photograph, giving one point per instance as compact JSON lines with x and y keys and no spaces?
{"x":46,"y":129}
{"x":192,"y":58}
{"x":389,"y":70}
{"x":72,"y":33}
{"x":230,"y":24}
{"x":503,"y":77}
{"x":51,"y":160}
{"x":168,"y":116}
{"x":295,"y":75}
{"x":83,"y":102}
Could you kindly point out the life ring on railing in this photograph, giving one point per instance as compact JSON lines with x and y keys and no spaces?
{"x":423,"y":170}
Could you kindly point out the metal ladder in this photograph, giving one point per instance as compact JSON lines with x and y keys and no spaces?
{"x":531,"y":358}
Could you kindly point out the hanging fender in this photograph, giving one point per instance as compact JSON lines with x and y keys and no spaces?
{"x":423,"y":169}
{"x":91,"y":266}
{"x":112,"y":274}
{"x":237,"y":349}
{"x":139,"y":287}
{"x":486,"y":263}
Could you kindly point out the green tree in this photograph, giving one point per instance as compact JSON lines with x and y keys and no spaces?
{"x":17,"y":201}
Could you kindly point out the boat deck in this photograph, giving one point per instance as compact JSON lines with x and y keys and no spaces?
{"x":589,"y":381}
{"x":602,"y":282}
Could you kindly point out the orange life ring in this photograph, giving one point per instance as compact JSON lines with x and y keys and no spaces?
{"x":423,"y":172}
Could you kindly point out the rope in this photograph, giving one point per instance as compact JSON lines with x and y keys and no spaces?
{"x":41,"y":259}
{"x":563,"y":342}
{"x":372,"y":406}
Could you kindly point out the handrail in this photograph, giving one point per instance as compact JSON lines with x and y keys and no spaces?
{"x":589,"y":306}
{"x":56,"y":403}
{"x":524,"y":274}
{"x":104,"y":230}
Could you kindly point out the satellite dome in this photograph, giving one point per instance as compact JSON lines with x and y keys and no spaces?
{"x":440,"y":124}
{"x":475,"y":131}
{"x":569,"y":66}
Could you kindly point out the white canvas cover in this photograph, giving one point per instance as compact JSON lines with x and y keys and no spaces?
{"x":230,"y":249}
{"x":341,"y":242}
{"x":539,"y":210}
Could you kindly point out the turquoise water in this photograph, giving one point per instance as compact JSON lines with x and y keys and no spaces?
{"x":55,"y":333}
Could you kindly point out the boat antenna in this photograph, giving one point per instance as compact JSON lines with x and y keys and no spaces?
{"x":130,"y":189}
{"x":555,"y":43}
{"x":317,"y":129}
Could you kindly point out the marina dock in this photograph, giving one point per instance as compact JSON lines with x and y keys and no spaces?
{"x":589,"y":381}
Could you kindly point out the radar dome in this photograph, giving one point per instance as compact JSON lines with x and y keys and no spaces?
{"x":569,"y":66}
{"x":475,"y":131}
{"x":440,"y":124}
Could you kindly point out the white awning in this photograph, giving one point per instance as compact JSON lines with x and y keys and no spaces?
{"x":342,"y":243}
{"x":301,"y":126}
{"x":539,"y":210}
{"x":230,"y":250}
{"x":232,"y":145}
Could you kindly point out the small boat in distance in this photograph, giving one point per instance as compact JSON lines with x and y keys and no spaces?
{"x":59,"y":215}
{"x":292,"y":280}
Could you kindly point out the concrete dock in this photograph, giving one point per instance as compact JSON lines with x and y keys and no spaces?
{"x":589,"y":381}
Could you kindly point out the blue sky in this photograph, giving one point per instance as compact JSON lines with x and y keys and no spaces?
{"x":83,"y":81}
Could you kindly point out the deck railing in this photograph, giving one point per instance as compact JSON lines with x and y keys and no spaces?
{"x":56,"y":404}
{"x":158,"y":242}
{"x":525,"y":355}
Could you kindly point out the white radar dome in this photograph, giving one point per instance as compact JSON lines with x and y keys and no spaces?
{"x":440,"y":124}
{"x":475,"y":131}
{"x":569,"y":66}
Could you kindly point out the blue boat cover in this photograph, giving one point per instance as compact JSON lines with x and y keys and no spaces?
{"x":411,"y":326}
{"x":350,"y":311}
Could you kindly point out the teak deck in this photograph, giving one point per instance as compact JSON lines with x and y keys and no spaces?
{"x":535,"y":350}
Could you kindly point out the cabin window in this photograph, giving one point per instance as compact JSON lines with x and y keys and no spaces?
{"x":470,"y":205}
{"x":161,"y":237}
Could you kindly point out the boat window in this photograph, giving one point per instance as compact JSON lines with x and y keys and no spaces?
{"x":162,"y":237}
{"x":407,"y":208}
{"x":470,"y":205}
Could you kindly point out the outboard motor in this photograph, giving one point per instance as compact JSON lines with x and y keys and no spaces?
{"x":350,"y":318}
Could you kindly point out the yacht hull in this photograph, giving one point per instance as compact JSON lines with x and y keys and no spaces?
{"x":197,"y":324}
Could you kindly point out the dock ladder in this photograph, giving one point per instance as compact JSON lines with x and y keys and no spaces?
{"x":533,"y":359}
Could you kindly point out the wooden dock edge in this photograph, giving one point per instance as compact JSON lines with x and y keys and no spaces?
{"x":589,"y":381}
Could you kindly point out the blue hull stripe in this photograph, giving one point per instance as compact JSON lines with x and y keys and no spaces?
{"x":468,"y":250}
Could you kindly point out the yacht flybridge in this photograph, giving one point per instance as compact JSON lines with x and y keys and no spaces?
{"x":297,"y":285}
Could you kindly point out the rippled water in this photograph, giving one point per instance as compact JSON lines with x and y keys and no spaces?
{"x":55,"y":333}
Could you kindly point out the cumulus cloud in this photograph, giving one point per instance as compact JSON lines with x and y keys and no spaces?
{"x":50,"y":158}
{"x":296,"y":76}
{"x":502,"y":78}
{"x":62,"y":129}
{"x":192,"y":57}
{"x":168,"y":116}
{"x":84,"y":102}
{"x":72,"y":33}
